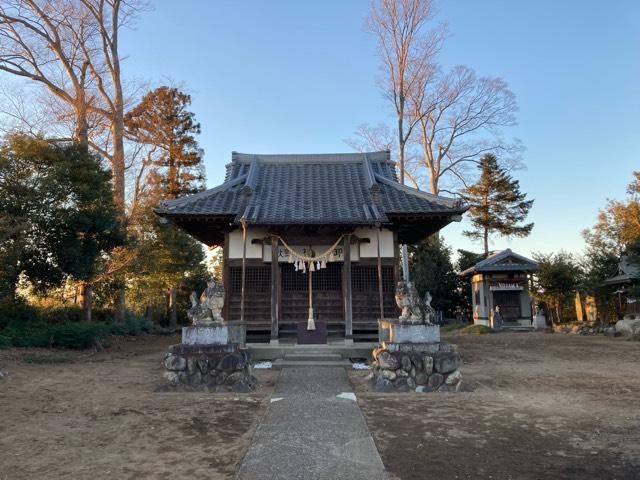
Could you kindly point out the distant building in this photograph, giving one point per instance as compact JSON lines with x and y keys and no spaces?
{"x":627,"y":275}
{"x":502,"y":279}
{"x":274,"y":213}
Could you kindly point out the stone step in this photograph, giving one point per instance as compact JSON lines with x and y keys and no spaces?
{"x":518,"y":328}
{"x":312,"y":357}
{"x":283,"y":363}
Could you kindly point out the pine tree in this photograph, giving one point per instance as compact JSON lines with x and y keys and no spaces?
{"x":169,"y":259}
{"x":497,"y":205}
{"x":162,"y":120}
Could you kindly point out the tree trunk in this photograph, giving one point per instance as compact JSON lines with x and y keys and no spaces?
{"x":486,"y":242}
{"x":149,"y":313}
{"x":173,"y":307}
{"x":120,"y":306}
{"x":86,"y":300}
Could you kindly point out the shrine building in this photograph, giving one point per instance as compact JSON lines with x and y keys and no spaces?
{"x":502,"y":279}
{"x":311,"y":239}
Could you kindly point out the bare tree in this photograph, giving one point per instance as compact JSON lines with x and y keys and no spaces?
{"x":460,"y":117}
{"x":70,"y":47}
{"x":372,"y":138}
{"x":407,"y":51}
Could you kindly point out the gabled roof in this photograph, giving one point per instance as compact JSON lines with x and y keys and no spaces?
{"x":503,"y":261}
{"x":349,"y":189}
{"x":627,"y":273}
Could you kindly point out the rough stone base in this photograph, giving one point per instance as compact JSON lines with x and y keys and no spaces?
{"x":208,"y":368}
{"x":434,"y":368}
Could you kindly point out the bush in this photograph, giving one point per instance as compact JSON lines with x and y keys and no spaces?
{"x":60,"y":327}
{"x":16,"y":311}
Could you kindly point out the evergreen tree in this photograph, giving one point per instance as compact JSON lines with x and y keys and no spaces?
{"x":466,"y":259}
{"x":497,"y":205}
{"x":432,"y":271}
{"x":162,"y":120}
{"x":169,"y":260}
{"x":57,"y":213}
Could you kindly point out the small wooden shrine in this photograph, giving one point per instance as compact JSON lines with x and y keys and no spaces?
{"x":311,"y":241}
{"x":502,"y":280}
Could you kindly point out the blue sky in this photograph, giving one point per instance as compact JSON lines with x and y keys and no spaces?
{"x":292,"y":76}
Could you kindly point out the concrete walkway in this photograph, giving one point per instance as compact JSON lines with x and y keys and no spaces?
{"x":311,"y":433}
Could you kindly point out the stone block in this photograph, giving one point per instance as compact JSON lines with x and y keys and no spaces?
{"x":421,"y":379}
{"x":421,"y":333}
{"x":406,"y":363}
{"x":427,"y":362}
{"x":383,"y":386}
{"x":446,"y":362}
{"x":401,"y":384}
{"x":232,"y":362}
{"x":435,"y":381}
{"x":388,"y":375}
{"x":209,"y":335}
{"x":453,"y":378}
{"x":628,"y":327}
{"x":423,"y":389}
{"x":175,"y":362}
{"x":387,"y":361}
{"x":171,"y":377}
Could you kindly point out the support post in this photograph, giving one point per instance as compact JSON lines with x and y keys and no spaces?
{"x":346,"y":290}
{"x":380,"y":294}
{"x":244,"y":269}
{"x":275,"y":286}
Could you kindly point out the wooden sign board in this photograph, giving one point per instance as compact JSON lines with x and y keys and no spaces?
{"x":283,"y":254}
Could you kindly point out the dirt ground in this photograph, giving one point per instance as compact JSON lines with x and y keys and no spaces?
{"x":99,"y":417}
{"x":543,"y":406}
{"x":550,"y":406}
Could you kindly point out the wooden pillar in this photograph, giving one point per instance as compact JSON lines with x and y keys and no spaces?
{"x":226,"y":279}
{"x":244,"y":268}
{"x":346,"y":289}
{"x":275,"y":288}
{"x":380,"y":294}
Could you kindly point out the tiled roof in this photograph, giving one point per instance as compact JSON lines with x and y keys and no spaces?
{"x":344,"y":188}
{"x":503,"y":261}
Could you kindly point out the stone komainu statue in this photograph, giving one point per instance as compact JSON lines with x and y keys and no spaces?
{"x":207,"y":310}
{"x":414,"y":310}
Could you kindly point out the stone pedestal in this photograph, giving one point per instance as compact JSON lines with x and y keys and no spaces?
{"x":210,"y":358}
{"x":209,"y":368}
{"x":213,"y":335}
{"x":412,"y":357}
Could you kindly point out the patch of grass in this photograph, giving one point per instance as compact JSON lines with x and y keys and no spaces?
{"x":477,"y":329}
{"x":47,"y":358}
{"x":452,"y":327}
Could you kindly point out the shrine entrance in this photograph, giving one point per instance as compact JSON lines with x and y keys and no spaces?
{"x":326,"y":290}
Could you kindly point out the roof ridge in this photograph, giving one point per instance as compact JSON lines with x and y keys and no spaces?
{"x":379,"y":156}
{"x":177,"y":202}
{"x":448,"y":201}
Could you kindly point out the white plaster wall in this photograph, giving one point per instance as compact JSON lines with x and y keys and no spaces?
{"x":369,"y":250}
{"x":480,"y":309}
{"x":235,"y":243}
